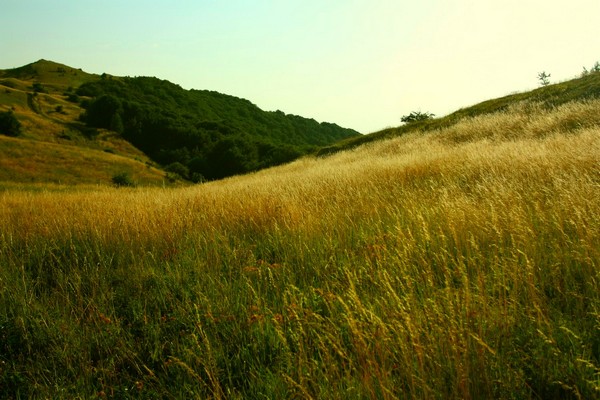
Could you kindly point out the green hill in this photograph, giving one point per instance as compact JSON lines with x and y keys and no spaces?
{"x":141,"y":126}
{"x":212,"y":134}
{"x":54,"y":146}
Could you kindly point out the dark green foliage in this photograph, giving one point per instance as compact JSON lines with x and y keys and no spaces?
{"x":102,"y":112}
{"x":9,"y":124}
{"x":212,"y":134}
{"x":417,"y":116}
{"x":73,"y":98}
{"x":543,"y":77}
{"x":179,"y":169}
{"x":123,"y":179}
{"x":38,"y":88}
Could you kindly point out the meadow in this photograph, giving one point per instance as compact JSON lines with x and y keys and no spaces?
{"x":460,"y":263}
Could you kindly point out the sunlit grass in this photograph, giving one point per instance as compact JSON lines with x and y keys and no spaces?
{"x":27,"y":161}
{"x":458,"y":264}
{"x":55,"y":146}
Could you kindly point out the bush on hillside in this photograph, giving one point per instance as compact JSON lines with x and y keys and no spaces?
{"x":178,"y":169}
{"x":123,"y":179}
{"x":593,"y":70}
{"x":416,"y":116}
{"x":39,"y":88}
{"x":9,"y":124}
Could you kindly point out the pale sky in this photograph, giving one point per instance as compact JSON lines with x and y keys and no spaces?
{"x":359,"y":63}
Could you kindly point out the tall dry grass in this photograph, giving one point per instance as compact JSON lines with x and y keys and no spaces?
{"x":462,"y":263}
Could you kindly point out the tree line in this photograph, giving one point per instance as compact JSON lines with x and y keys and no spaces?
{"x":201,"y":134}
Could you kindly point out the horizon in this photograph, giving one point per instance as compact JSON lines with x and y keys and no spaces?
{"x":357,"y":64}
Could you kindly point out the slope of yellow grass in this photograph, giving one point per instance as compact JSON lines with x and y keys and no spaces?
{"x":463,"y":263}
{"x":28,"y":161}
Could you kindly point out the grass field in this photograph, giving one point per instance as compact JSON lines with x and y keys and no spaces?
{"x":462,"y":263}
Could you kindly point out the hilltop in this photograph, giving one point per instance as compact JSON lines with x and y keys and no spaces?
{"x":150,"y":126}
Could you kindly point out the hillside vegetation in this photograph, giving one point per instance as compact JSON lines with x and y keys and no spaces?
{"x":213,"y":135}
{"x":585,"y":87}
{"x":150,"y":123}
{"x":53,"y":146}
{"x":458,"y":263}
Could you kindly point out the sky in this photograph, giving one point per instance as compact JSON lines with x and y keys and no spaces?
{"x":362,"y":64}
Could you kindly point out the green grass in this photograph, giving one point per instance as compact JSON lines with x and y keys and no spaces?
{"x":55,"y":77}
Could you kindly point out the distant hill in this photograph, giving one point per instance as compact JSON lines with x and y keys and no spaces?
{"x":212,"y":135}
{"x":141,"y":126}
{"x":54,"y":146}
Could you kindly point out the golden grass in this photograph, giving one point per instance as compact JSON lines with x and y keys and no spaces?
{"x":463,"y":263}
{"x":53,"y":149}
{"x":29,"y":161}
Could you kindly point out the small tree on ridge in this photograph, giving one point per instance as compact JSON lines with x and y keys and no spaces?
{"x":416,"y":116}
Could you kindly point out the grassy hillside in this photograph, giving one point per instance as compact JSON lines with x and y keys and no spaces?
{"x":585,"y":87}
{"x":54,"y":76}
{"x":54,"y":146}
{"x":32,"y":161}
{"x":205,"y":135}
{"x":460,"y":263}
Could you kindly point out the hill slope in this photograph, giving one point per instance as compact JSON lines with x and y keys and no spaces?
{"x":54,"y":145}
{"x":460,"y":263}
{"x":212,"y":134}
{"x":209,"y":135}
{"x":585,"y":87}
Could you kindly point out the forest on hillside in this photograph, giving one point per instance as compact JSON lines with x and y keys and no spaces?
{"x":201,"y":134}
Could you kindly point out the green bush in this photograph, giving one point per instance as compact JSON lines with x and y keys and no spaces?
{"x":416,"y":116}
{"x":123,"y":179}
{"x":9,"y":124}
{"x":39,"y":88}
{"x":179,"y":169}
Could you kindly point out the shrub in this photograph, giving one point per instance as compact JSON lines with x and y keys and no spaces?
{"x":543,"y":77}
{"x":38,"y":88}
{"x":123,"y":179}
{"x":197,"y":177}
{"x":179,"y":169}
{"x":416,"y":116}
{"x":9,"y":124}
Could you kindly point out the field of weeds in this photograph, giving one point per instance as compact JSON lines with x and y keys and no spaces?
{"x":457,"y":264}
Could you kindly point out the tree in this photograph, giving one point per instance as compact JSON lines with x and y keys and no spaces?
{"x":543,"y":78}
{"x":416,"y":116}
{"x":102,"y":113}
{"x":116,"y":123}
{"x":594,"y":69}
{"x":38,"y":88}
{"x":9,"y":124}
{"x":179,"y":169}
